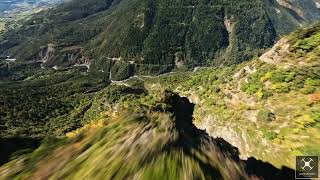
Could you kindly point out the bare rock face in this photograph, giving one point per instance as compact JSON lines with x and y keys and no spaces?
{"x":307,"y":9}
{"x":310,"y":9}
{"x":47,"y":53}
{"x":276,"y":53}
{"x":56,"y":56}
{"x":295,"y":13}
{"x":317,"y":4}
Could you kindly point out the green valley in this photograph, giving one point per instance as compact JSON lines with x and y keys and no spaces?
{"x":264,"y":109}
{"x":159,"y":89}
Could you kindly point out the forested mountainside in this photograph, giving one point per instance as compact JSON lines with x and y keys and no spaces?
{"x":151,"y":37}
{"x":245,"y":121}
{"x":14,"y":12}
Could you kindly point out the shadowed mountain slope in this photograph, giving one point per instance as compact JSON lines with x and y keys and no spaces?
{"x":154,"y":36}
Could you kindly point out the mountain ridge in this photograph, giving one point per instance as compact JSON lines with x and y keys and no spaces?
{"x":152,"y":37}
